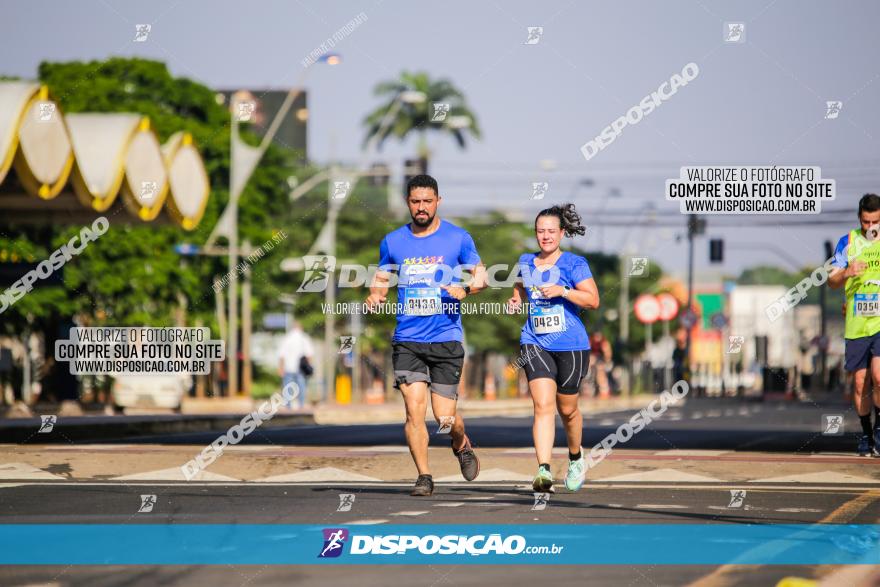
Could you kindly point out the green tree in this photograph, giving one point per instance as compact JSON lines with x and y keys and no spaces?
{"x":131,"y":275}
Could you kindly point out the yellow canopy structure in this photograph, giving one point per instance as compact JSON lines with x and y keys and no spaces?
{"x":100,"y":156}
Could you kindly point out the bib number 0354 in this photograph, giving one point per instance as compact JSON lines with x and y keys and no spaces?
{"x":867,"y":305}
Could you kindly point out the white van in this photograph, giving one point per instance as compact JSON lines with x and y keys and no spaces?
{"x":151,"y":391}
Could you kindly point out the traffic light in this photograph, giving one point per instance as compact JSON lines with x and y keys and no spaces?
{"x":716,"y":250}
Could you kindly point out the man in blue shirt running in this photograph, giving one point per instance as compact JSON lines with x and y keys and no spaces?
{"x":429,"y":255}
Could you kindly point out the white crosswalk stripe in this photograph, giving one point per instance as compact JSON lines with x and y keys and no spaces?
{"x":316,"y":475}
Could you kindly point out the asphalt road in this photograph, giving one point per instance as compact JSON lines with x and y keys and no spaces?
{"x":205,"y":503}
{"x":699,"y":424}
{"x":760,"y":434}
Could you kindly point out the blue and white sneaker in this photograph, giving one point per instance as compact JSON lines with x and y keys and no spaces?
{"x":543,"y":482}
{"x":577,"y":473}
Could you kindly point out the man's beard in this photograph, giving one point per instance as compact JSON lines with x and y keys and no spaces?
{"x":422,"y":220}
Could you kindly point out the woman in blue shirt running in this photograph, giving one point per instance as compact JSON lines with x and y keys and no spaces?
{"x":555,"y":347}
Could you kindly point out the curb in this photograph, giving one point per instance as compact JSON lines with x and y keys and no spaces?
{"x":106,"y":428}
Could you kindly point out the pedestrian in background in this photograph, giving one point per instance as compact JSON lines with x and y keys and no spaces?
{"x":295,"y":362}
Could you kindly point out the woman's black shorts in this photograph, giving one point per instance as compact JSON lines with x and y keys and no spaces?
{"x":566,"y":368}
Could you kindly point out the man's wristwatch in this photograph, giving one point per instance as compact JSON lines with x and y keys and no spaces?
{"x":565,"y":291}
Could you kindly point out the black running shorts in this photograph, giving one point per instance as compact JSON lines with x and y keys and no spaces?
{"x":437,"y":363}
{"x":566,"y":368}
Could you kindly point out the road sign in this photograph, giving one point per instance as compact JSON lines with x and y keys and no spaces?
{"x":688,"y":318}
{"x":647,"y":309}
{"x":718,"y":320}
{"x":668,"y":306}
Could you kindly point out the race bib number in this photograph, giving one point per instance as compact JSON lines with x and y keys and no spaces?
{"x":867,"y":305}
{"x":547,"y":319}
{"x":422,"y":301}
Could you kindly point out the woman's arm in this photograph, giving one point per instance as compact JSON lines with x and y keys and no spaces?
{"x":585,"y":294}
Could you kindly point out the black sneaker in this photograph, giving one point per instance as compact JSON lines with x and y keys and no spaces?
{"x":875,"y":449}
{"x":865,"y":445}
{"x":467,"y":460}
{"x":424,"y":486}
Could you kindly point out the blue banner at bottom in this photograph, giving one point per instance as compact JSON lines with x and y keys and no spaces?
{"x":302,"y":544}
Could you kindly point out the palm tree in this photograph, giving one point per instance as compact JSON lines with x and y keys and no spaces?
{"x":421,"y":116}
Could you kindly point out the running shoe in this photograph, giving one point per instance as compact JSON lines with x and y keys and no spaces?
{"x":875,"y":449}
{"x":467,"y":460}
{"x":543,"y":481}
{"x":577,"y":473}
{"x":424,"y":486}
{"x":865,"y":445}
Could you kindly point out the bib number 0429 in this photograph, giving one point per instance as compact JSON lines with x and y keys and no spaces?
{"x":547,"y":319}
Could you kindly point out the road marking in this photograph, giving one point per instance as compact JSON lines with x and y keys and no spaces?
{"x":661,"y":506}
{"x":449,"y":504}
{"x":697,"y":415}
{"x":411,"y":513}
{"x":25,"y":471}
{"x":324,"y":474}
{"x":606,"y":422}
{"x":662,"y":475}
{"x":380,"y":449}
{"x":691,"y":453}
{"x":615,"y":505}
{"x":798,"y":510}
{"x":748,"y":508}
{"x":530,"y":451}
{"x":173,"y":474}
{"x":81,"y":447}
{"x":777,"y":488}
{"x":365,"y":522}
{"x":491,"y":475}
{"x":727,"y":574}
{"x":820,"y":477}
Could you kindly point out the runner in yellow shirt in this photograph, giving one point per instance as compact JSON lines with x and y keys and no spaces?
{"x":857,"y":269}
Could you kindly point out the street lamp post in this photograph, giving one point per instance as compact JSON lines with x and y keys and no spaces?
{"x":242,"y":162}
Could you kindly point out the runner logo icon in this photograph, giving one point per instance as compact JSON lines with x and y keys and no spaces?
{"x":334,"y":540}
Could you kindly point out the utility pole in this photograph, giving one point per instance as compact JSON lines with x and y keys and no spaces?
{"x":330,"y":354}
{"x":693,"y":227}
{"x":823,"y":338}
{"x":623,"y":310}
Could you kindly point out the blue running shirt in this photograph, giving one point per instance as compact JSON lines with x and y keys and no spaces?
{"x":423,"y":264}
{"x":554,"y":324}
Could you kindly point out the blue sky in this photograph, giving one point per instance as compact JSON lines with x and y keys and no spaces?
{"x":759,"y":102}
